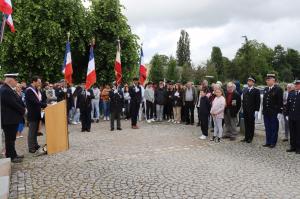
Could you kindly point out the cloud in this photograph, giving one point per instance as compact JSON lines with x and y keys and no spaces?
{"x":212,"y":23}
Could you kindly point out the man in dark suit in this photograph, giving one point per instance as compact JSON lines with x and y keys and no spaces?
{"x":293,"y":112}
{"x":116,"y":105}
{"x":135,"y":93}
{"x":272,"y":106}
{"x":12,"y":113}
{"x":233,"y":105}
{"x":85,"y":105}
{"x":34,"y":104}
{"x":251,"y":104}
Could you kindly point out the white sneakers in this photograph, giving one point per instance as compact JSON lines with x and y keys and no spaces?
{"x":202,"y":137}
{"x":149,"y":121}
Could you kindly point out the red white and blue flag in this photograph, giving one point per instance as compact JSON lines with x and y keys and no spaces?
{"x":91,"y":73}
{"x":118,"y":65}
{"x":10,"y":23}
{"x":143,"y":69}
{"x":6,"y":7}
{"x":67,"y":67}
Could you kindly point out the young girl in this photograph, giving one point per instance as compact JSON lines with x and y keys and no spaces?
{"x":217,"y":112}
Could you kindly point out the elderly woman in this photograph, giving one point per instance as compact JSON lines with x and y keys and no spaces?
{"x":233,"y":105}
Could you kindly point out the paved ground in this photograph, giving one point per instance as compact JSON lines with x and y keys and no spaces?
{"x":157,"y":161}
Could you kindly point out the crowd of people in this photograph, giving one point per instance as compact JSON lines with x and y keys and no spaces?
{"x":220,"y":106}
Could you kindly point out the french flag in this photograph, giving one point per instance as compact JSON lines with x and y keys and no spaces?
{"x":10,"y":23}
{"x":91,"y":73}
{"x":143,"y":69}
{"x":67,"y":67}
{"x":6,"y":7}
{"x":118,"y":65}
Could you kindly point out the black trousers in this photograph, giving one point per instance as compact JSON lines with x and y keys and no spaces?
{"x":134,"y":109}
{"x":203,"y":119}
{"x":86,"y":120}
{"x":32,"y":135}
{"x":189,"y":115}
{"x":169,"y":111}
{"x":10,"y":132}
{"x":295,"y":134}
{"x":249,"y":120}
{"x":149,"y":110}
{"x":115,"y":115}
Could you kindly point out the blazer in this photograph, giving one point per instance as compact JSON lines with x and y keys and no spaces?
{"x":12,"y":107}
{"x":273,"y":101}
{"x":34,"y":105}
{"x":251,"y":100}
{"x":135,"y":95}
{"x":293,"y":106}
{"x":84,"y":101}
{"x":116,"y":101}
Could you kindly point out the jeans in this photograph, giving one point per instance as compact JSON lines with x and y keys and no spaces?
{"x":101,"y":108}
{"x":159,"y":112}
{"x":106,"y":108}
{"x":218,"y":129}
{"x":95,"y":109}
{"x":149,"y":110}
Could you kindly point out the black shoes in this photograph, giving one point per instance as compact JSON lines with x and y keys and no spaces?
{"x":119,"y":129}
{"x":243,"y":140}
{"x":112,"y":129}
{"x":17,"y":160}
{"x":266,"y":145}
{"x":40,"y":134}
{"x":291,"y":150}
{"x":97,"y":121}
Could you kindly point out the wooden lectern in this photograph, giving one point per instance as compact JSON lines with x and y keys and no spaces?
{"x":56,"y":128}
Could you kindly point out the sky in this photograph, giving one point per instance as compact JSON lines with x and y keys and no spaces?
{"x":212,"y":23}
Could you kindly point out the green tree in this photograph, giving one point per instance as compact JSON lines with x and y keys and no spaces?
{"x":281,"y":65}
{"x":157,"y":72}
{"x":107,"y":24}
{"x":183,"y":49}
{"x":293,"y":59}
{"x":187,"y":73}
{"x":38,"y":46}
{"x":217,"y":60}
{"x":172,"y":71}
{"x":252,"y":58}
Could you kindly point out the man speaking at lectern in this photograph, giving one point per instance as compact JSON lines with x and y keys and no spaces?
{"x":34,"y":104}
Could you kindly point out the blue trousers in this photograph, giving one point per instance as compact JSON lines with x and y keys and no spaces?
{"x":271,"y":127}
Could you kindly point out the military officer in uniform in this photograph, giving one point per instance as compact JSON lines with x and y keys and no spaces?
{"x":12,"y":113}
{"x":251,"y":104}
{"x":272,"y":106}
{"x":293,"y":111}
{"x":135,"y":93}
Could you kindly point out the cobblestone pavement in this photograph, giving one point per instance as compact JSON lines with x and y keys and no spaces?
{"x":157,"y":161}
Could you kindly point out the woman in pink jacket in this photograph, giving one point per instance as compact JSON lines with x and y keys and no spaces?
{"x":217,"y":112}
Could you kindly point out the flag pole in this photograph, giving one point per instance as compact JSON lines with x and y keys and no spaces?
{"x":68,"y":36}
{"x":2,"y":28}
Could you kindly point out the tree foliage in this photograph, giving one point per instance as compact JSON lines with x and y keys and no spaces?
{"x":183,"y":49}
{"x":38,"y":46}
{"x":172,"y":71}
{"x":157,"y":71}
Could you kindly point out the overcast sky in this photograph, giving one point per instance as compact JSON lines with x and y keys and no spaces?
{"x":213,"y":23}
